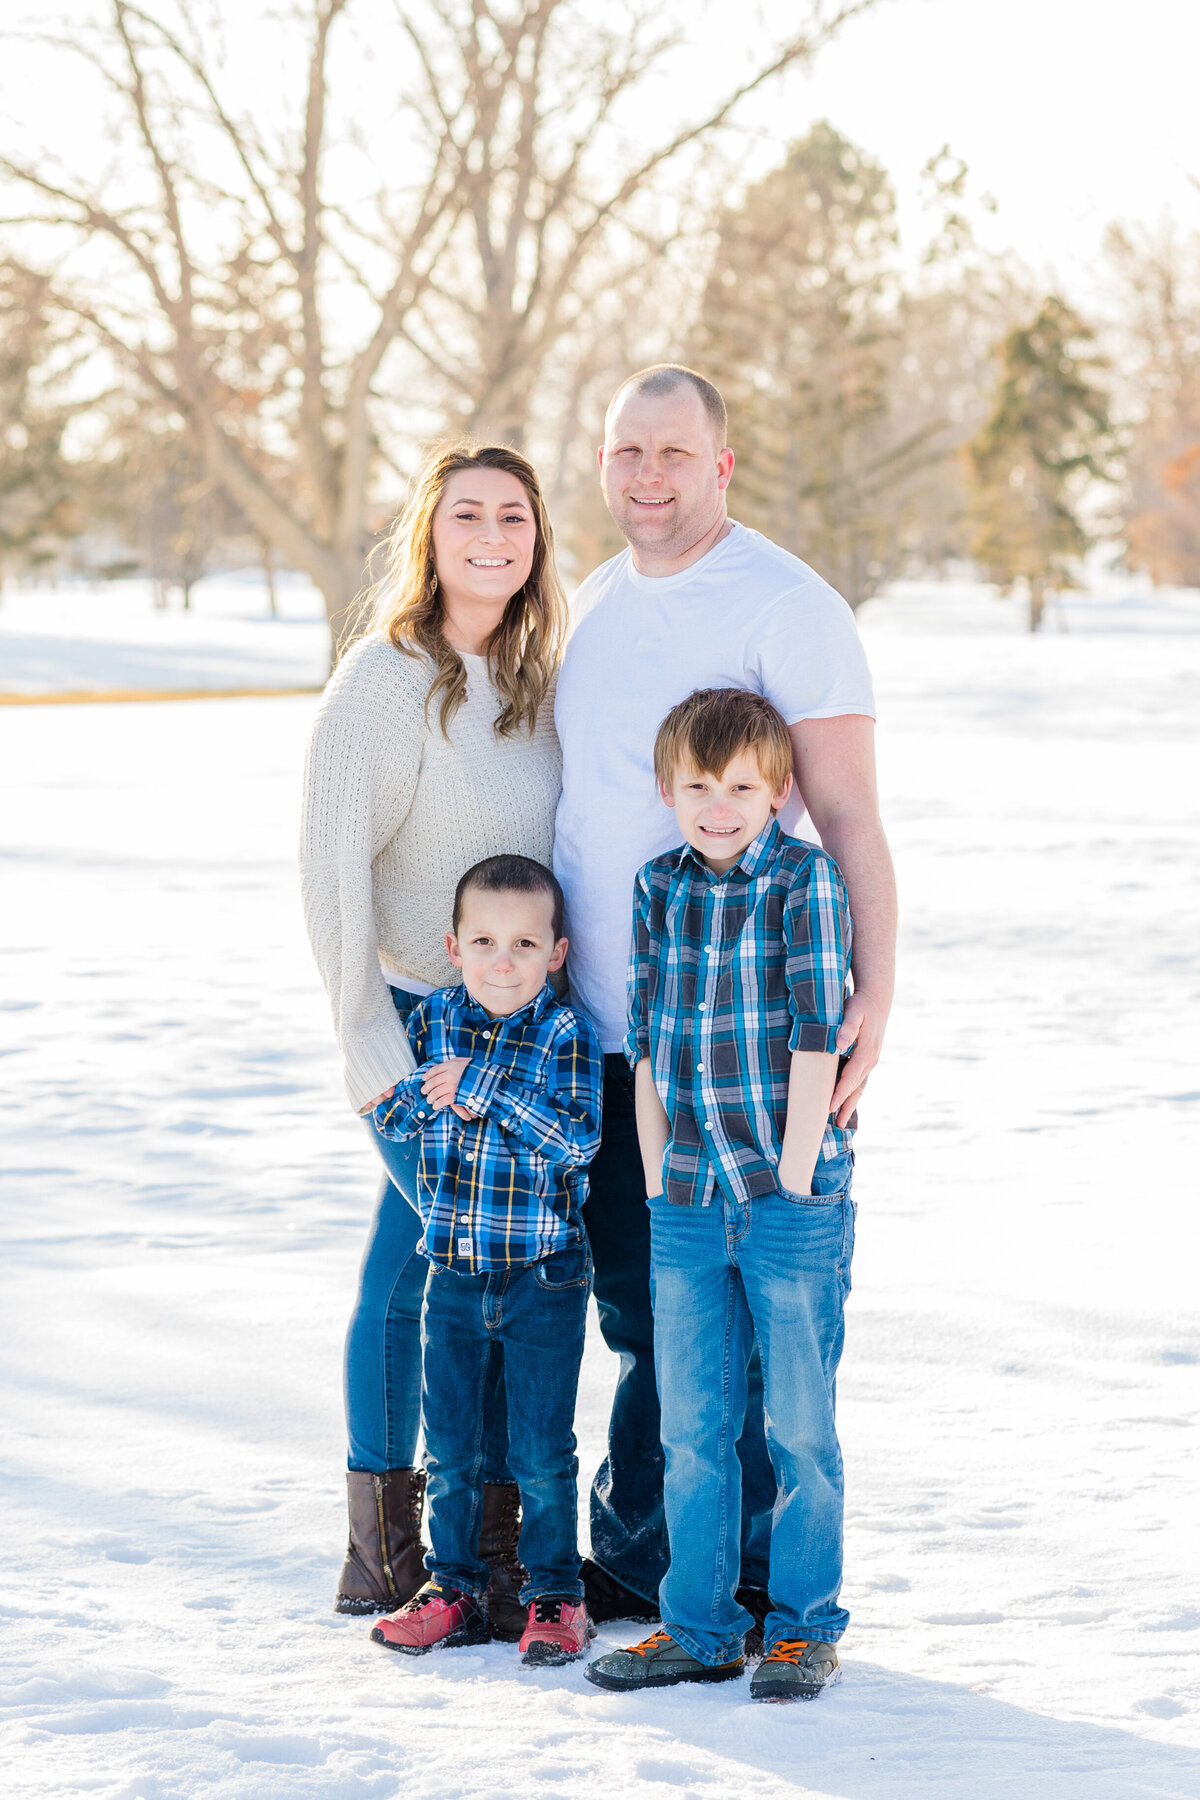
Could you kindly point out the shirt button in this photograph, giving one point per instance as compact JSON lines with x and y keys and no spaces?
{"x":470,"y":1156}
{"x":708,"y":1124}
{"x":464,"y":1218}
{"x":699,"y":1068}
{"x":708,"y":949}
{"x":704,"y":1006}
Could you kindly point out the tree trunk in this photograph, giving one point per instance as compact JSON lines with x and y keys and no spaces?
{"x":341,"y":590}
{"x":267,"y":553}
{"x":1037,"y":601}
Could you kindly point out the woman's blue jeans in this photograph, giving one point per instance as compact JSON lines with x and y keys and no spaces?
{"x":383,"y":1342}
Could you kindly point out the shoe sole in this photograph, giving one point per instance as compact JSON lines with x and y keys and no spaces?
{"x":351,"y":1608}
{"x":627,"y":1684}
{"x":543,"y":1654}
{"x":778,"y":1691}
{"x":454,"y":1640}
{"x":549,"y":1656}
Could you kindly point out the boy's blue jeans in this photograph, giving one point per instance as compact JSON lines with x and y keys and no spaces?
{"x":383,"y":1341}
{"x":535,"y":1317}
{"x":777,"y":1271}
{"x":629,"y":1537}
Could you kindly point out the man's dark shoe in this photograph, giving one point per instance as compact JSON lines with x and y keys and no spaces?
{"x":608,"y":1599}
{"x":658,"y":1662}
{"x":385,"y":1558}
{"x":795,"y":1669}
{"x":757,"y":1603}
{"x":499,"y":1534}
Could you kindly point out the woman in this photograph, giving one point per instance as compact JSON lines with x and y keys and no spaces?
{"x":434,"y":747}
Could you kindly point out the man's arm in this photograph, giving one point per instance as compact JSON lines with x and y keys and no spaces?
{"x":835,"y":773}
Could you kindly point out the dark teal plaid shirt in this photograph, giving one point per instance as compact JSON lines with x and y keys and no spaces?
{"x":728,"y":974}
{"x":504,"y":1188}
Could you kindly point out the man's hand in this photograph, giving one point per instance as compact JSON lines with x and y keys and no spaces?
{"x":377,"y":1101}
{"x":862,"y":1025}
{"x":441,"y":1084}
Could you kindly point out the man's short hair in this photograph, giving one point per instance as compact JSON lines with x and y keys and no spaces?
{"x":708,"y":729}
{"x":511,"y":875}
{"x":664,"y":378}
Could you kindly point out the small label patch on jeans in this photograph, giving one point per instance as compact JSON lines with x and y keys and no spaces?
{"x":464,"y":1246}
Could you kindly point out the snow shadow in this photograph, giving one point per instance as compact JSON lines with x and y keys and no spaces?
{"x":52,"y":664}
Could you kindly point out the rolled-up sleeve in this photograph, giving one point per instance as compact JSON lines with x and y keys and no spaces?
{"x":818,"y":936}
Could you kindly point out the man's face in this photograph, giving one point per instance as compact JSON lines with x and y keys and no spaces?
{"x":505,"y":947}
{"x":663,"y":473}
{"x":721,"y":815}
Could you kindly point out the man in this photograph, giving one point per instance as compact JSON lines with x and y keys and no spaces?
{"x":696,"y":601}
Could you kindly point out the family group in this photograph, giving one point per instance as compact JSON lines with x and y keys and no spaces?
{"x":607,"y":1022}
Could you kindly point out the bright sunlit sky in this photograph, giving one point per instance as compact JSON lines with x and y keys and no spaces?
{"x":1070,"y":113}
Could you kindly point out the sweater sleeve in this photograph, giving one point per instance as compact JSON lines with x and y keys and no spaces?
{"x":360,"y":776}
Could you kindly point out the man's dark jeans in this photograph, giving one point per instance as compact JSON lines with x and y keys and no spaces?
{"x":629,"y":1535}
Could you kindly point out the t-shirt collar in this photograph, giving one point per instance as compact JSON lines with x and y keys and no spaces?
{"x":664,"y":584}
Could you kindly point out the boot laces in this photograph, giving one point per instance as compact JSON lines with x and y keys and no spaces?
{"x":788,"y":1650}
{"x":548,"y":1612}
{"x":656,"y":1641}
{"x":431,"y":1596}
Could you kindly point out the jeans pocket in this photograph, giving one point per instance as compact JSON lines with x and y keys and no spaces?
{"x":566,"y":1270}
{"x":811,"y":1199}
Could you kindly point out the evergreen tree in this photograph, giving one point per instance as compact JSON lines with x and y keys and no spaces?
{"x":1047,"y":438}
{"x":799,"y":328}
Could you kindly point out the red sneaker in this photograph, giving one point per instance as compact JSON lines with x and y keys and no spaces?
{"x":557,"y":1632}
{"x":435,"y":1615}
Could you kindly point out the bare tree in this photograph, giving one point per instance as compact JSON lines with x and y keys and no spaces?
{"x":288,"y":315}
{"x":1158,"y":332}
{"x":39,"y":502}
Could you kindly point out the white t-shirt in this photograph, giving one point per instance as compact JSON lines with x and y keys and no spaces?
{"x":747,"y":615}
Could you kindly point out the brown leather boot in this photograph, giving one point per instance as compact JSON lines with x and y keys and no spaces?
{"x":499,"y":1530}
{"x":385,"y":1558}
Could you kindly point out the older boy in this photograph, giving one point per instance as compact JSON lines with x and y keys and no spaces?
{"x":737,"y":984}
{"x":506,"y":1101}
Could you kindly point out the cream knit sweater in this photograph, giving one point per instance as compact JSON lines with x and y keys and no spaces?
{"x":393,"y":814}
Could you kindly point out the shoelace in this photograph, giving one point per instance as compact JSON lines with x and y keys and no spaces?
{"x":788,"y":1650}
{"x":430,"y":1596}
{"x":654,"y":1642}
{"x":548,"y":1612}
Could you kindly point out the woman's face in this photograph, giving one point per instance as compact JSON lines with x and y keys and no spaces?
{"x":484,"y":536}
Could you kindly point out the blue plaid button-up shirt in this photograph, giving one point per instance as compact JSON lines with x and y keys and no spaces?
{"x":505,"y":1187}
{"x":728,"y":975}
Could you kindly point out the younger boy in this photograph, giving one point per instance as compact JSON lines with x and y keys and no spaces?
{"x":737,"y":979}
{"x":506,"y":1100}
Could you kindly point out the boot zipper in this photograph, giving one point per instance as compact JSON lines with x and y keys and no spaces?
{"x":383,"y":1543}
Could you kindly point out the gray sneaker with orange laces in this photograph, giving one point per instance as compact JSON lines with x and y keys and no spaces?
{"x":795,"y":1669}
{"x":658,"y":1661}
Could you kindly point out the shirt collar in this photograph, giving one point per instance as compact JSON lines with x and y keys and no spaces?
{"x":756,"y":857}
{"x":524,"y":1015}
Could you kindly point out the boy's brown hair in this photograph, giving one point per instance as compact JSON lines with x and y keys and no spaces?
{"x":708,"y":729}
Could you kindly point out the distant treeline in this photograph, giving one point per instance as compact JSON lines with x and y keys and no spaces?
{"x":208,"y":357}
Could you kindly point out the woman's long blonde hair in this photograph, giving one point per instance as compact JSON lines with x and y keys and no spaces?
{"x":526,"y":647}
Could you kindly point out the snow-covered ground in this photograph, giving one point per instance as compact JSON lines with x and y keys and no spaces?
{"x":94,"y":637}
{"x":185,"y":1198}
